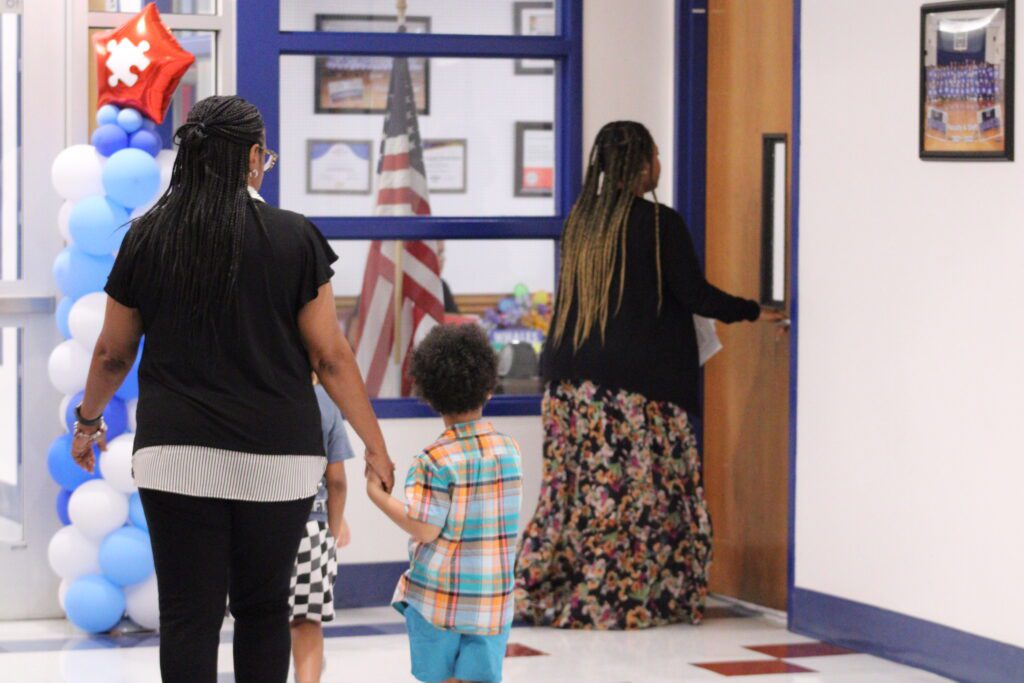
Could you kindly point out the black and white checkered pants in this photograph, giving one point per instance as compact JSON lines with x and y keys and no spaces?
{"x":316,"y":568}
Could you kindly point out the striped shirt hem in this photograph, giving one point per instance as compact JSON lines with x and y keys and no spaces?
{"x":218,"y":473}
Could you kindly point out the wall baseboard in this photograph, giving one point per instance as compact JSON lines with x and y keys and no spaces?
{"x":923,"y":644}
{"x":369,"y":584}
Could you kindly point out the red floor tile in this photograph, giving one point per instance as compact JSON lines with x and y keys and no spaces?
{"x":754,"y":668}
{"x":797,"y":650}
{"x":517,"y":650}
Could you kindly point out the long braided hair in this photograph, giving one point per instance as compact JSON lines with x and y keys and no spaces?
{"x":194,"y":231}
{"x":594,"y":239}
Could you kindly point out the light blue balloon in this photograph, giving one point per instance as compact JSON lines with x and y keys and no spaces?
{"x":97,"y":225}
{"x":149,"y":124}
{"x":63,"y":311}
{"x":126,"y":556}
{"x":130,"y":120}
{"x":129,"y":389}
{"x":94,"y":604}
{"x":78,"y":273}
{"x":62,"y":467}
{"x":107,"y":114}
{"x":131,"y":177}
{"x":136,"y":513}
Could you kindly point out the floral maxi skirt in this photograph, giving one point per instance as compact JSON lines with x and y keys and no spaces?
{"x":621,"y":538}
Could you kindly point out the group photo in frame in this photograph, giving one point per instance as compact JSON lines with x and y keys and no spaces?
{"x":358,"y":84}
{"x":535,"y":159}
{"x":967,"y":68}
{"x":339,"y":166}
{"x":534,"y":19}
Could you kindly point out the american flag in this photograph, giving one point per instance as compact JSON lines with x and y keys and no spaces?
{"x":401,"y":191}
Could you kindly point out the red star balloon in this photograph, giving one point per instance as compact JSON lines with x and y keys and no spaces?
{"x":140,"y":64}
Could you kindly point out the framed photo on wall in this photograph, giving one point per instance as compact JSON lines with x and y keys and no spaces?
{"x":966,"y":106}
{"x":358,"y":84}
{"x":534,"y":19}
{"x":445,"y":161}
{"x":535,"y":159}
{"x":339,"y":166}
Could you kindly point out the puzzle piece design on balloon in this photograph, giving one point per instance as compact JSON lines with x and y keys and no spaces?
{"x":123,"y":56}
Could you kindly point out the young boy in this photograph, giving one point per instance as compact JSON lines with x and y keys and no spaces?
{"x":463,"y":493}
{"x":316,"y":567}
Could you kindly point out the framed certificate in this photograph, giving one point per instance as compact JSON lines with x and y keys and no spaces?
{"x":534,"y":19}
{"x":358,"y":84}
{"x":446,"y":166}
{"x":339,"y":166}
{"x":535,"y":159}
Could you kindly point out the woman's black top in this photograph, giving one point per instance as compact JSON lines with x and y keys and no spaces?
{"x":644,"y":351}
{"x":247,"y":388}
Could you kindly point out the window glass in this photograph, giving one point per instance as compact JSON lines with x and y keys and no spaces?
{"x":165,"y":6}
{"x":479,"y":17}
{"x":10,"y":147}
{"x":482,"y":136}
{"x":10,"y":435}
{"x":504,"y":285}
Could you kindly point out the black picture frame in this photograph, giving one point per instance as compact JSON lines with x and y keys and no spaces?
{"x":521,"y":188}
{"x":323,"y":69}
{"x":431,"y":143}
{"x":952,"y":94}
{"x":769,"y":182}
{"x":531,"y":67}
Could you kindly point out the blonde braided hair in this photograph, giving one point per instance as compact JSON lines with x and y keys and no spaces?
{"x":595,"y":233}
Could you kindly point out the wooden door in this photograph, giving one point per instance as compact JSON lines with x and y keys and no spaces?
{"x":746,"y":409}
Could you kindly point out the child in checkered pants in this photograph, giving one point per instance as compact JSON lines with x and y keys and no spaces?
{"x":316,"y":567}
{"x":463,"y":494}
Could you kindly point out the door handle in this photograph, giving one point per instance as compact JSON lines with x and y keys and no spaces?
{"x":783,"y":324}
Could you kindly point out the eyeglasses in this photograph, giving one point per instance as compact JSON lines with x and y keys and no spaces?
{"x":269,"y":159}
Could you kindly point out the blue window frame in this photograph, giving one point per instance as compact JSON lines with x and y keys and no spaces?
{"x":261,"y":45}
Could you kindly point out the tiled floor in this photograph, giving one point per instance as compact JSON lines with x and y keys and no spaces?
{"x":369,"y":646}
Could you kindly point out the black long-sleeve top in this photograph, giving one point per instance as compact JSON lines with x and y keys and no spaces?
{"x":644,"y":351}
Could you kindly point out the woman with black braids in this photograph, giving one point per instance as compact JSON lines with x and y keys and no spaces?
{"x":234,"y":299}
{"x":621,"y":536}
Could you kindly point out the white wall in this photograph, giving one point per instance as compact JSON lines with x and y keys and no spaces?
{"x":909,"y":460}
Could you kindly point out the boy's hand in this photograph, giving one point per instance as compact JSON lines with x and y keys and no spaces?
{"x":374,"y":484}
{"x":344,"y":536}
{"x":379,"y":463}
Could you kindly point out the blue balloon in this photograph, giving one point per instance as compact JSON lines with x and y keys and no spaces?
{"x":63,"y":311}
{"x":62,"y":506}
{"x":130,"y":120}
{"x":109,"y":138}
{"x":131,"y":177}
{"x":126,"y":556}
{"x":148,"y":124}
{"x":94,"y":604}
{"x":147,"y":140}
{"x":63,"y":469}
{"x":136,"y":513}
{"x":107,"y":114}
{"x":98,"y":225}
{"x":129,"y":389}
{"x":78,"y":273}
{"x":115,"y":415}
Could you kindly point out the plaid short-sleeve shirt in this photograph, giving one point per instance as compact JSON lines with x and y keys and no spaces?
{"x":469,"y":483}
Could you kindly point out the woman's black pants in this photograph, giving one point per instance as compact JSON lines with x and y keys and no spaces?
{"x":208,"y":549}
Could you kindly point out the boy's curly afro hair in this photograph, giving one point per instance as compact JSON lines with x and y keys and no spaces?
{"x":454,"y":368}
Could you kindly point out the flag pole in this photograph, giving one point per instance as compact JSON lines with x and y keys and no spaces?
{"x":399,"y":248}
{"x":401,"y":6}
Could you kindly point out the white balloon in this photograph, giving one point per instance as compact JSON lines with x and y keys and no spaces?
{"x":64,"y":403}
{"x":77,"y":172}
{"x":72,"y":554}
{"x":143,"y":603}
{"x":86,"y":319}
{"x":132,"y":406}
{"x":64,"y":219}
{"x":165,"y":160}
{"x":116,"y":464}
{"x":69,"y":367}
{"x":62,"y":592}
{"x":96,"y":508}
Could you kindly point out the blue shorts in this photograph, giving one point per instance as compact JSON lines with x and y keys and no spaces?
{"x":438,"y":655}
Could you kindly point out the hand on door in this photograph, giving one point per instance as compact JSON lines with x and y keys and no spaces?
{"x":773,"y":315}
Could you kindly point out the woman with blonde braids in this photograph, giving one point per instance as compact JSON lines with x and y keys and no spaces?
{"x":621,"y":537}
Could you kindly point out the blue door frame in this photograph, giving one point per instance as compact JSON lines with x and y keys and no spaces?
{"x":916,"y":642}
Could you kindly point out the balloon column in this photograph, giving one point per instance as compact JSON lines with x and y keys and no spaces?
{"x":103,"y":553}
